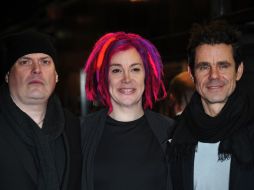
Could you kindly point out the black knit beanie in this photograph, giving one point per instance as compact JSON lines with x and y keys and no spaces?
{"x":23,"y":43}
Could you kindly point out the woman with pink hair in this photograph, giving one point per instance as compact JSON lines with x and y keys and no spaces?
{"x":124,"y":145}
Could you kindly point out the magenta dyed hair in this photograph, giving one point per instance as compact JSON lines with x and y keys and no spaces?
{"x":97,"y":67}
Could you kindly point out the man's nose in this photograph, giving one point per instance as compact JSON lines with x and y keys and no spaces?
{"x":36,"y":67}
{"x":214,"y":72}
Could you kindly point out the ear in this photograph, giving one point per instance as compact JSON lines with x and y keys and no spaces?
{"x":239,"y":71}
{"x":7,"y":77}
{"x":190,"y":73}
{"x":57,"y":78}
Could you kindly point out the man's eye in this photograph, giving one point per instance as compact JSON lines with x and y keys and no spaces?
{"x":203,"y":67}
{"x":24,"y":62}
{"x":224,"y":66}
{"x":45,"y":62}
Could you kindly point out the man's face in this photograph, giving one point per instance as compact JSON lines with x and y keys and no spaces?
{"x":215,"y":74}
{"x":32,"y":79}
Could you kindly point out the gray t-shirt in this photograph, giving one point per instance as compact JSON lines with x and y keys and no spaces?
{"x":209,"y":172}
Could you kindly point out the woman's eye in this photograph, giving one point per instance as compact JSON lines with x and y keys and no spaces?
{"x":116,"y":70}
{"x":136,"y":69}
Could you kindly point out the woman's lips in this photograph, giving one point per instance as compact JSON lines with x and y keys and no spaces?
{"x":127,"y":90}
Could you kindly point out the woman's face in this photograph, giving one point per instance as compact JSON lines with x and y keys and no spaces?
{"x":126,"y":79}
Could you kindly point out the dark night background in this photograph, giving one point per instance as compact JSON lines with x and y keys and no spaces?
{"x":77,"y":24}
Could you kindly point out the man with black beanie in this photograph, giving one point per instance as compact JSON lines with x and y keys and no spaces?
{"x":39,"y":139}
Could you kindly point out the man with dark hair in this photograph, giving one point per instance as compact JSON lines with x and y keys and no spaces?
{"x":213,"y":145}
{"x":39,"y":139}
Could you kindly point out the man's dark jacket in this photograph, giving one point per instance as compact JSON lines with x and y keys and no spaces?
{"x":91,"y":131}
{"x":20,"y":165}
{"x":238,"y":113}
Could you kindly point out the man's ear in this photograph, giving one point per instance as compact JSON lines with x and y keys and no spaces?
{"x":190,"y":73}
{"x":57,"y":79}
{"x":239,"y":71}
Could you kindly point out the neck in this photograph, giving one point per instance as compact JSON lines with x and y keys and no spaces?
{"x":126,"y":114}
{"x":37,"y":116}
{"x":35,"y":111}
{"x":212,"y":109}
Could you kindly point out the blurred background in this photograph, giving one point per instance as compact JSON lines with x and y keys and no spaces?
{"x":77,"y":24}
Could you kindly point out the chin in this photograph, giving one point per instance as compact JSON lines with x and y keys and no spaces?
{"x":217,"y":100}
{"x":38,"y":95}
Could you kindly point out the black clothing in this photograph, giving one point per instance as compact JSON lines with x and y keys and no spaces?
{"x":233,"y":127}
{"x":34,"y":158}
{"x":92,"y":129}
{"x":129,"y":157}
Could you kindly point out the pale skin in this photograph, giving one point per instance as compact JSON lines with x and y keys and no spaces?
{"x":215,"y":75}
{"x":126,"y":85}
{"x":31,"y":81}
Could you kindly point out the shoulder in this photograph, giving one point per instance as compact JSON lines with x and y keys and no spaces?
{"x":93,"y":121}
{"x":71,"y":119}
{"x":159,"y":117}
{"x":93,"y":117}
{"x":69,"y":115}
{"x":72,"y":124}
{"x":160,"y":123}
{"x":92,"y":125}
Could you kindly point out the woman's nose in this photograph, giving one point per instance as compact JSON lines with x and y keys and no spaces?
{"x":126,"y":77}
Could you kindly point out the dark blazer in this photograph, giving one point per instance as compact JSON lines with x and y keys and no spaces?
{"x":91,"y":130}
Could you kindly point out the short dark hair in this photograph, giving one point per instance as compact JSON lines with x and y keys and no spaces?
{"x":214,"y":32}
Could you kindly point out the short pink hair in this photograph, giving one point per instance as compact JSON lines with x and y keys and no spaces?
{"x":97,"y":67}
